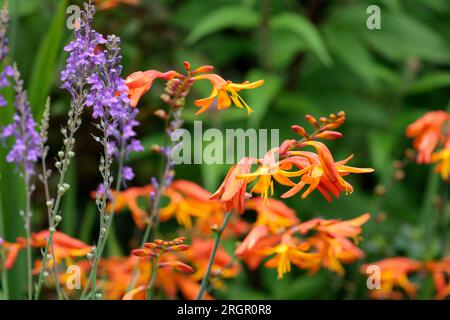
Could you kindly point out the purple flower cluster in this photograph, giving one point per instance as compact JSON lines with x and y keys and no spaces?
{"x":84,"y":54}
{"x":26,"y":147}
{"x":7,"y":71}
{"x":108,"y":97}
{"x":124,"y":140}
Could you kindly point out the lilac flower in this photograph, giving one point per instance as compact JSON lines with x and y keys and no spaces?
{"x":108,"y":98}
{"x":84,"y":54}
{"x":26,"y":148}
{"x":7,"y":71}
{"x":127,"y":173}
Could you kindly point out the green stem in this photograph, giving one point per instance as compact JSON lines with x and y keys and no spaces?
{"x":213,"y":256}
{"x":73,"y":126}
{"x":93,"y":274}
{"x":4,"y":278}
{"x":151,"y":285}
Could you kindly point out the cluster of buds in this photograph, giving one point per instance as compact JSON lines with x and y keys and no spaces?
{"x":158,"y":247}
{"x":324,"y":127}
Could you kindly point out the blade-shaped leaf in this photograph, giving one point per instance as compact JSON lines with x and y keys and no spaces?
{"x":45,"y":61}
{"x":240,"y":17}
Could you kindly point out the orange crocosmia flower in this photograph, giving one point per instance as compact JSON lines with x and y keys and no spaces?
{"x":129,"y":199}
{"x":110,"y":4}
{"x":287,"y":253}
{"x":442,"y":157}
{"x":323,"y":173}
{"x":440,"y":271}
{"x":275,"y":214}
{"x":199,"y":254}
{"x":427,"y":131}
{"x":140,"y":82}
{"x":394,"y":275}
{"x":224,"y":93}
{"x":232,"y":192}
{"x":187,"y":200}
{"x":65,"y":246}
{"x":272,"y":169}
{"x":12,"y":250}
{"x":332,"y":241}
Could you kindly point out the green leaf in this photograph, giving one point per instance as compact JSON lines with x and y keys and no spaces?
{"x":402,"y":37}
{"x":261,"y":98}
{"x":306,"y":31}
{"x":431,"y":81}
{"x":352,"y":52}
{"x":239,"y":17}
{"x":45,"y":61}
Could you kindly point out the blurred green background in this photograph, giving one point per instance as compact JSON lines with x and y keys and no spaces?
{"x":317,"y":57}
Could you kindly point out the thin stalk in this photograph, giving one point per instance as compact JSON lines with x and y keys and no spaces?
{"x":151,"y":284}
{"x":444,"y":219}
{"x":73,"y":125}
{"x":5,"y":285}
{"x":213,"y":255}
{"x":152,"y":223}
{"x":113,"y":206}
{"x":44,"y":179}
{"x":27,"y":217}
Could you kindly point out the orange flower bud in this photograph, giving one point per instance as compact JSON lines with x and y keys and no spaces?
{"x":299,"y":130}
{"x":177,"y":265}
{"x":203,"y":69}
{"x":329,"y":135}
{"x":142,"y":253}
{"x":312,"y":120}
{"x":180,"y":247}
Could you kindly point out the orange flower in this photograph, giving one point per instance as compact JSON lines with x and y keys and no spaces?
{"x":139,"y":83}
{"x":224,"y":93}
{"x":232,"y":192}
{"x":129,"y":199}
{"x":199,"y":254}
{"x":323,"y":173}
{"x":427,"y":131}
{"x":287,"y":253}
{"x":394,"y":273}
{"x":332,"y":241}
{"x":110,"y":4}
{"x":188,"y":199}
{"x":65,"y":246}
{"x":271,"y":168}
{"x":274,"y":214}
{"x":443,"y":159}
{"x":440,"y":271}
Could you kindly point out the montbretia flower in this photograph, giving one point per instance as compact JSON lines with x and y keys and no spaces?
{"x":323,"y":173}
{"x":274,"y":214}
{"x":333,"y":240}
{"x":188,"y":200}
{"x":65,"y":248}
{"x":110,"y":4}
{"x":140,"y":82}
{"x":394,"y":276}
{"x":223,"y":264}
{"x":224,"y":93}
{"x":442,"y":157}
{"x":129,"y":199}
{"x":272,"y":169}
{"x":427,"y":131}
{"x":440,"y":271}
{"x":232,"y":192}
{"x":289,"y":253}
